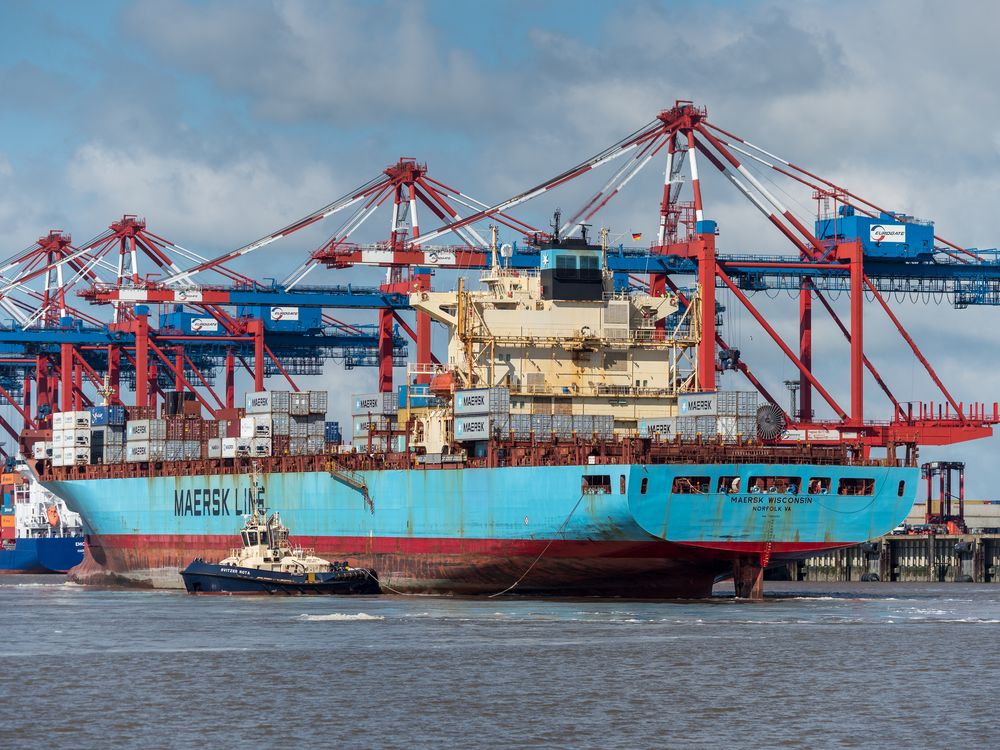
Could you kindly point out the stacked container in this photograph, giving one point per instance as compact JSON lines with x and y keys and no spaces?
{"x":146,"y":440}
{"x":481,"y":413}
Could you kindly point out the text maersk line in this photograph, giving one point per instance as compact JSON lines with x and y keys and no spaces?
{"x":215,"y":501}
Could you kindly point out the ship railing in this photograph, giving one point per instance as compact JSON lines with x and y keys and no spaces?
{"x":499,"y":272}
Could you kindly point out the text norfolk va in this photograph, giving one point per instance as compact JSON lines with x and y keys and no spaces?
{"x":215,"y":501}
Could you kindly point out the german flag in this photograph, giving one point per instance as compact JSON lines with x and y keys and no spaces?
{"x":636,"y":236}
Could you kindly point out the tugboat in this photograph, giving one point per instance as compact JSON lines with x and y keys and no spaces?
{"x":268,"y":564}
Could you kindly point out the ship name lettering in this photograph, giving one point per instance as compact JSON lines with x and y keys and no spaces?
{"x":202,"y":502}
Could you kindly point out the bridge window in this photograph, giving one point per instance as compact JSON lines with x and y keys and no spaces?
{"x":819,"y":486}
{"x":565,"y":262}
{"x":644,"y":485}
{"x":902,"y":488}
{"x":690,"y":486}
{"x":253,"y":537}
{"x":774,"y":484}
{"x":856,"y":486}
{"x":597,"y":484}
{"x":730,"y":485}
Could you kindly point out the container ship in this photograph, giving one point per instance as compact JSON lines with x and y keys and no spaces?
{"x":38,"y":534}
{"x":561,"y":446}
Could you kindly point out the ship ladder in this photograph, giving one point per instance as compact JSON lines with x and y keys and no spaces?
{"x":352,"y":479}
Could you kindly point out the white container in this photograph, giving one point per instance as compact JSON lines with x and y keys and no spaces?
{"x":137,"y":451}
{"x":472,"y":428}
{"x":77,"y":439}
{"x":79,"y":419}
{"x":248,"y":427}
{"x":81,"y":456}
{"x":244,"y":446}
{"x":38,"y":449}
{"x":58,"y":420}
{"x":260,"y":447}
{"x":215,"y":448}
{"x":267,"y":402}
{"x":261,"y":427}
{"x":58,"y":436}
{"x":228,"y":447}
{"x":138,"y":430}
{"x":57,"y":458}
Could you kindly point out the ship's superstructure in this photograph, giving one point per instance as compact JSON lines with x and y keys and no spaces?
{"x":562,"y":342}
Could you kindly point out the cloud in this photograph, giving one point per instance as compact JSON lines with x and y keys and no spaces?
{"x":342,"y":63}
{"x":214,"y":207}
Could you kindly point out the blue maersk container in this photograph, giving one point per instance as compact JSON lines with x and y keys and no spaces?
{"x":885,"y":236}
{"x":331,"y":432}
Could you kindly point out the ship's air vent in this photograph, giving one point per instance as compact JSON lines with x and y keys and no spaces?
{"x":770,"y":422}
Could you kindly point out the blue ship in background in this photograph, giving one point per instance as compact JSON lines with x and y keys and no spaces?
{"x":38,"y":534}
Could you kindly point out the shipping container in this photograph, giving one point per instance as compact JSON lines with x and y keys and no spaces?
{"x":173,"y":450}
{"x":298,"y":427}
{"x":260,"y":447}
{"x":316,"y":426}
{"x":192,"y":450}
{"x":213,"y":448}
{"x":482,"y":401}
{"x":146,"y":429}
{"x":471,"y":428}
{"x":280,"y":423}
{"x":298,"y":404}
{"x":229,"y":445}
{"x":664,"y":428}
{"x":318,"y":402}
{"x":541,"y":426}
{"x":415,"y":396}
{"x":331,"y":432}
{"x":137,"y":451}
{"x":374,"y":403}
{"x":267,"y":402}
{"x":58,"y":419}
{"x":697,"y":404}
{"x":315,"y":446}
{"x":297,"y":446}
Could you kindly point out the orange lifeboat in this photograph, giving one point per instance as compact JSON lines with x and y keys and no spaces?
{"x":442,"y":383}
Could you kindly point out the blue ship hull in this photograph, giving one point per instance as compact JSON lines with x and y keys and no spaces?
{"x":476,"y":530}
{"x":42,"y":555}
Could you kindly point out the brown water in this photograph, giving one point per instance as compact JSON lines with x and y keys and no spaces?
{"x":815,"y":665}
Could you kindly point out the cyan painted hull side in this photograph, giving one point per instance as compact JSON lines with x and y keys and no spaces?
{"x":479,"y":529}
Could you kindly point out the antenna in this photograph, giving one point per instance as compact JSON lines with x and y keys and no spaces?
{"x":555,"y":225}
{"x":493,"y":244}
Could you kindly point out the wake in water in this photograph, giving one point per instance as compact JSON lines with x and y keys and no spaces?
{"x":339,"y":617}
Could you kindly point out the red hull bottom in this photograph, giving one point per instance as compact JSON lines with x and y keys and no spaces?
{"x":440,"y":566}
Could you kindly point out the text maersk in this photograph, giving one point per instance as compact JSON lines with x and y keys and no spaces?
{"x":215,"y":501}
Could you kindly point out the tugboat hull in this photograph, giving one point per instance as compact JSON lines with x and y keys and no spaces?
{"x":205,"y":578}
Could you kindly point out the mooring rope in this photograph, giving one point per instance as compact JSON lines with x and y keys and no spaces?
{"x":544,"y":550}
